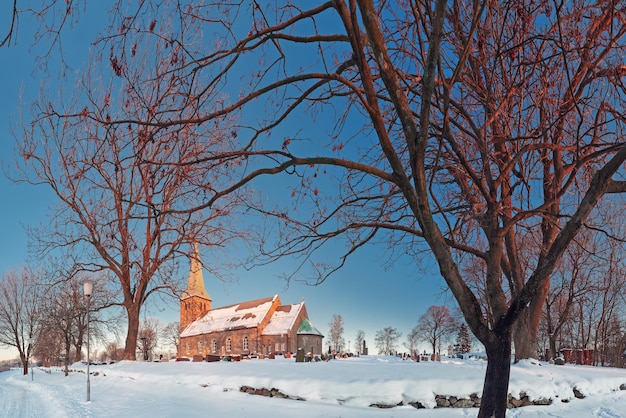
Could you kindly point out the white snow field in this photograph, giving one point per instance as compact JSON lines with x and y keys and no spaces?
{"x":338,"y":388}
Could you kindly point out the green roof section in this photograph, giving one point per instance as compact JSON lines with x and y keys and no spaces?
{"x":307,"y":328}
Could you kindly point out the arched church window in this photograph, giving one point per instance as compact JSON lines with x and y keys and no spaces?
{"x":245,"y":343}
{"x":188,"y":348}
{"x":214,"y":346}
{"x":229,"y":344}
{"x":200,"y":347}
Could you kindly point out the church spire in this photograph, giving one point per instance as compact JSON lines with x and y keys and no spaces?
{"x":195,"y":283}
{"x":195,"y":301}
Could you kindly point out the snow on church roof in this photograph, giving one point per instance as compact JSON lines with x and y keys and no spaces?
{"x":283,"y":319}
{"x":238,"y":316}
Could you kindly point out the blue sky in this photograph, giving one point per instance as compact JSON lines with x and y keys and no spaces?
{"x":368,"y":295}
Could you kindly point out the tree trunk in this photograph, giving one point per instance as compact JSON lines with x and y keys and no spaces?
{"x":496,"y":386}
{"x":24,"y":359}
{"x":67,"y":358}
{"x":552,"y":341}
{"x":527,"y":326}
{"x":130,"y":349}
{"x":552,"y":335}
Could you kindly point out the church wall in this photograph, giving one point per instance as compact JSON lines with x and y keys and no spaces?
{"x":311,"y":343}
{"x":218,"y":343}
{"x":280,"y":344}
{"x":191,"y":309}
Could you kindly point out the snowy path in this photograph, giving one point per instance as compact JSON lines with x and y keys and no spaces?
{"x":17,"y":400}
{"x":20,"y":397}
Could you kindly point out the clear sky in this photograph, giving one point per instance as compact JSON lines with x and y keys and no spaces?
{"x":367,"y":294}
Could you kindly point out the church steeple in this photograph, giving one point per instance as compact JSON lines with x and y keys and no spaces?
{"x":195,"y":282}
{"x":195,"y":300}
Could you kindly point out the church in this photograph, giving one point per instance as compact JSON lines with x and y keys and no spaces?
{"x":263,"y":326}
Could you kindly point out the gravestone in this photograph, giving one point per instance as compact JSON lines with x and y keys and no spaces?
{"x":300,"y":355}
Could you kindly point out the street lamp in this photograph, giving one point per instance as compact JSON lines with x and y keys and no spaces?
{"x":87,"y":289}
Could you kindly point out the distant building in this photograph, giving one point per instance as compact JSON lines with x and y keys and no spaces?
{"x":261,"y":326}
{"x":577,"y":356}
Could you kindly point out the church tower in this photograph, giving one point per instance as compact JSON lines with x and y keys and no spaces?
{"x":195,"y":299}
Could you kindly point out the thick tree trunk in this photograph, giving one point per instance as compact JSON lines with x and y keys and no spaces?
{"x":130,"y":349}
{"x":526,"y":327}
{"x":496,"y":386}
{"x":525,"y":337}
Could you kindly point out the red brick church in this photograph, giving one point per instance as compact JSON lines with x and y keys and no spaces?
{"x":261,"y":326}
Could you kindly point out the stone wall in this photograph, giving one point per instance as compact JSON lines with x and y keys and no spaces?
{"x":442,"y":401}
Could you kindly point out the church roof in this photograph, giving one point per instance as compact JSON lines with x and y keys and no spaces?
{"x":241,"y":315}
{"x":283,"y":319}
{"x":195,"y":283}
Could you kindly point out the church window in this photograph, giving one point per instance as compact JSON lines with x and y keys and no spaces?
{"x":245,"y":343}
{"x":276,"y":347}
{"x":200,"y":347}
{"x":188,"y":348}
{"x":214,"y":346}
{"x":229,"y":344}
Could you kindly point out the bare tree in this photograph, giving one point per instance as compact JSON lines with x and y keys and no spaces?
{"x":64,"y":310}
{"x":63,"y":307}
{"x":456,"y":128}
{"x":413,"y":339}
{"x":436,"y":326}
{"x":358,"y":340}
{"x":386,"y":340}
{"x":20,"y":313}
{"x":149,"y":337}
{"x":571,"y":281}
{"x":116,"y":184}
{"x":58,"y":14}
{"x":170,"y":334}
{"x":49,"y":350}
{"x":336,"y":333}
{"x":113,"y":352}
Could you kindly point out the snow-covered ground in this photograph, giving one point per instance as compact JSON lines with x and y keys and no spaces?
{"x":338,"y":388}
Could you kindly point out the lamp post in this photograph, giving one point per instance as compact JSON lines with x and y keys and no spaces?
{"x":143,"y":348}
{"x":87,"y":289}
{"x":28,"y":355}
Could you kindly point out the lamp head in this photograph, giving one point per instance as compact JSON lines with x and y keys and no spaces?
{"x":88,"y":288}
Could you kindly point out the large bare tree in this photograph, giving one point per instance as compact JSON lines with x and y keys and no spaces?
{"x":483,"y":132}
{"x":115,"y":184}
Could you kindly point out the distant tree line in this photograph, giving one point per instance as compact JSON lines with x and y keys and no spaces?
{"x":43,"y":316}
